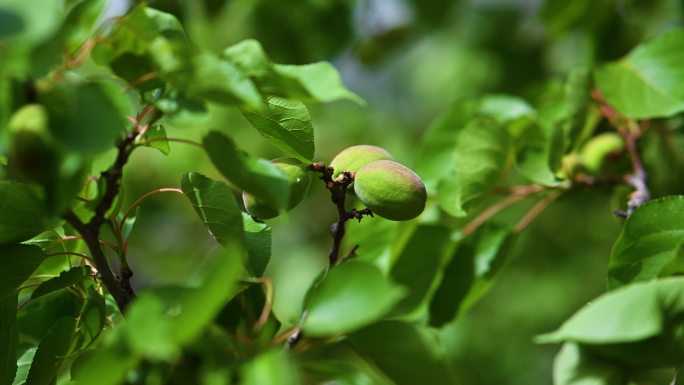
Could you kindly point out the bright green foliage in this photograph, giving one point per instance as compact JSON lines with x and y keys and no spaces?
{"x":649,"y":244}
{"x":551,"y":116}
{"x":480,"y":157}
{"x":332,"y":306}
{"x":299,"y":181}
{"x":643,"y":84}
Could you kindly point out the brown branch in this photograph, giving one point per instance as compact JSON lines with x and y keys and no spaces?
{"x":338,"y":193}
{"x":91,"y":235}
{"x":119,"y":288}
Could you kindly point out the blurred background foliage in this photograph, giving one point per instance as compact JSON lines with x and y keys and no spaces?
{"x":410,"y":60}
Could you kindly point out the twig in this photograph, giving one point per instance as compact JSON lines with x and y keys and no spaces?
{"x":142,"y":199}
{"x":338,"y":192}
{"x":537,"y":209}
{"x":268,"y":303}
{"x":91,"y":236}
{"x":177,"y":140}
{"x":70,"y":253}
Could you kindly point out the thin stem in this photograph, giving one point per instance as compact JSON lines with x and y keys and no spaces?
{"x":138,"y":201}
{"x":71,"y":253}
{"x":537,"y":209}
{"x":517,"y":193}
{"x":178,"y":140}
{"x":268,"y":303}
{"x":102,"y":241}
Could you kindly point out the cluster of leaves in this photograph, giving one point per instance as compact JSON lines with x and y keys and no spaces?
{"x":68,"y":82}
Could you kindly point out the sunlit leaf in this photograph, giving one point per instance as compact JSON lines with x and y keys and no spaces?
{"x":155,"y":137}
{"x":644,"y":84}
{"x":573,"y":366}
{"x":332,"y":306}
{"x":479,"y":160}
{"x":215,"y":205}
{"x":274,"y":367}
{"x":65,"y":279}
{"x":258,"y":244}
{"x":650,"y":240}
{"x":258,"y":177}
{"x":286,"y":124}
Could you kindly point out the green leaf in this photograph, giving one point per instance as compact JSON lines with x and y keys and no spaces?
{"x":181,"y":111}
{"x":577,"y":95}
{"x":408,"y":354}
{"x":471,"y":273}
{"x":574,"y":366}
{"x":51,"y":352}
{"x":273,"y":367}
{"x":418,"y":264}
{"x":155,"y":137}
{"x":644,"y":84}
{"x":479,"y":161}
{"x":334,"y":306}
{"x":21,"y":212}
{"x":222,"y":82}
{"x":18,"y":263}
{"x":310,"y":83}
{"x":258,"y":244}
{"x":539,"y":153}
{"x":258,"y":177}
{"x":612,"y":317}
{"x":79,"y":22}
{"x":91,"y":320}
{"x":28,"y":23}
{"x":198,"y":307}
{"x":215,"y":205}
{"x":65,"y":279}
{"x":250,"y":57}
{"x":435,"y":155}
{"x":319,"y":83}
{"x":148,"y":332}
{"x":23,"y":366}
{"x":39,"y":315}
{"x":86,"y":117}
{"x":650,"y":240}
{"x":286,"y":124}
{"x":9,"y":339}
{"x":108,"y":365}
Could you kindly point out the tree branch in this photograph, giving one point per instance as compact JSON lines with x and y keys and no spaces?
{"x":338,"y":193}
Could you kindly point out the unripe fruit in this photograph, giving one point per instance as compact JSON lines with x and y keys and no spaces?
{"x":391,"y":190}
{"x":353,"y":158}
{"x":598,"y":148}
{"x":299,"y":181}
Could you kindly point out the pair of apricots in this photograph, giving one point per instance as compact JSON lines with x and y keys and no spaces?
{"x":390,"y":189}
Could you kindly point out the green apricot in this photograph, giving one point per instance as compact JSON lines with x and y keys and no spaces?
{"x":598,"y":148}
{"x":391,"y":190}
{"x":299,"y":180}
{"x":353,"y":158}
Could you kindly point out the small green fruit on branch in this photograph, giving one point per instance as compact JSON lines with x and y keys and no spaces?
{"x":391,"y":190}
{"x":353,"y":158}
{"x":299,"y":181}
